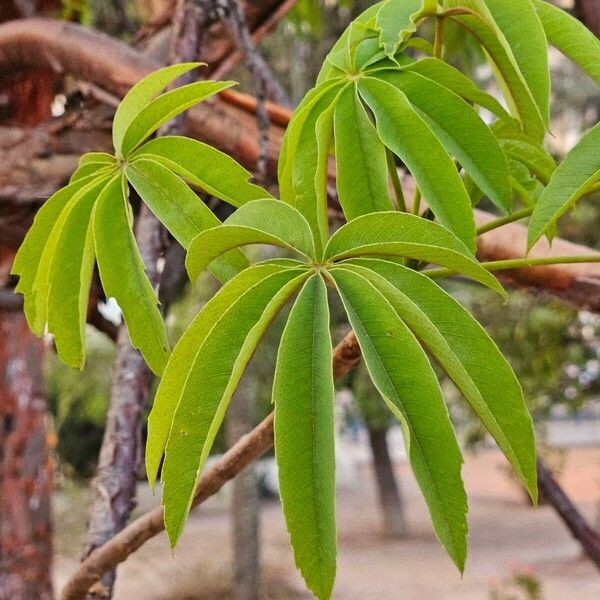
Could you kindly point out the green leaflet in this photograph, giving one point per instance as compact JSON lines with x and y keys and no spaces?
{"x":258,"y":222}
{"x":409,"y":137}
{"x":97,"y":158}
{"x":43,"y":282}
{"x":403,"y":375}
{"x":571,"y":37}
{"x":444,"y":74}
{"x":468,"y":355}
{"x":462,"y":132}
{"x":29,"y":257}
{"x":170,"y":199}
{"x":140,"y":95}
{"x":70,"y":277}
{"x":324,"y":131}
{"x":204,"y":167}
{"x":397,"y":20}
{"x":290,"y":141}
{"x":184,"y":355}
{"x":209,"y":386}
{"x":362,"y":179}
{"x":94,"y":169}
{"x":304,"y":436}
{"x":524,"y":183}
{"x":179,"y":209}
{"x":523,"y":30}
{"x":402,"y":234}
{"x":304,"y":166}
{"x":519,"y":146}
{"x":487,"y":33}
{"x":165,"y":107}
{"x":123,"y":276}
{"x":571,"y":180}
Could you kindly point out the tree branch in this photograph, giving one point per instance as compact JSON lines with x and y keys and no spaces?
{"x":250,"y":447}
{"x":567,"y":511}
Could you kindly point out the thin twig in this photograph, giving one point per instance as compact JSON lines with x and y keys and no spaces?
{"x":231,"y":14}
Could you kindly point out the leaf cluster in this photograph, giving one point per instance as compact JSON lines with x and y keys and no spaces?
{"x":385,"y":94}
{"x":89,"y":222}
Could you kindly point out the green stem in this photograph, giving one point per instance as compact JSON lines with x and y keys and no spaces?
{"x":521,"y":263}
{"x":393,"y":171}
{"x":416,"y":203}
{"x":516,"y":216}
{"x":438,"y":48}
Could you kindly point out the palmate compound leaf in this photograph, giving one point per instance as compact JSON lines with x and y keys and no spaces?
{"x":258,"y":222}
{"x":403,"y":375}
{"x":573,"y":178}
{"x":362,"y":178}
{"x":405,"y":133}
{"x":177,"y":206}
{"x":571,"y":37}
{"x":396,"y":234}
{"x":461,"y":130}
{"x":123,"y":275}
{"x":386,"y":25}
{"x":203,"y":167}
{"x":304,"y":436}
{"x":467,"y":354}
{"x":210,"y":384}
{"x":481,"y":25}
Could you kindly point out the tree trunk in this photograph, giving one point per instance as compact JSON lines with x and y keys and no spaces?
{"x":245,"y":503}
{"x":567,"y":511}
{"x":390,"y":499}
{"x":118,"y":465}
{"x":25,"y":466}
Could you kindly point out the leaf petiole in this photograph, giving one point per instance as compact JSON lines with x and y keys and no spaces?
{"x":396,"y":184}
{"x":496,"y":223}
{"x":521,"y":263}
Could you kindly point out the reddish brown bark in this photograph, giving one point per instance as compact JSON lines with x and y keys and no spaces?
{"x":25,"y":466}
{"x":589,"y":12}
{"x":27,"y":94}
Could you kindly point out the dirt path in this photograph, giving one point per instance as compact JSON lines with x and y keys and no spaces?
{"x":505,"y":533}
